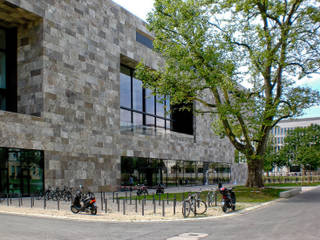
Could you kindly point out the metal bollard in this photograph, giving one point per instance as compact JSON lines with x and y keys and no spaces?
{"x":215,"y":199}
{"x":145,"y":200}
{"x":195,"y":206}
{"x":136,"y":203}
{"x":184,"y":209}
{"x":124,"y":206}
{"x":167,"y":198}
{"x":153,"y":198}
{"x":142,"y":207}
{"x":31,"y":205}
{"x":130,"y":196}
{"x":159,"y":199}
{"x":101,"y":201}
{"x":8,"y":200}
{"x":58,"y":203}
{"x":163,"y":208}
{"x":154,"y":207}
{"x":118,"y":203}
{"x":21,"y":200}
{"x":113,"y":197}
{"x":105,"y":205}
{"x":174,"y":205}
{"x":126,"y":195}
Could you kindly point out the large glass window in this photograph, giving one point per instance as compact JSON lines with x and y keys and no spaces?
{"x":21,"y":171}
{"x":172,"y":172}
{"x":8,"y":63}
{"x":139,"y":107}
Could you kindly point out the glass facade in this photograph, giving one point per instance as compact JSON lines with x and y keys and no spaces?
{"x":138,"y":106}
{"x":172,"y":172}
{"x":21,"y":171}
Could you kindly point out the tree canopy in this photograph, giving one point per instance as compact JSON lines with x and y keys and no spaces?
{"x":211,"y":47}
{"x":302,"y":147}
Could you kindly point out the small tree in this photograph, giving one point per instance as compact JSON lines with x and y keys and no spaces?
{"x":210,"y":47}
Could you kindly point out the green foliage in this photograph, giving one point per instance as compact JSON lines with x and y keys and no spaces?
{"x":302,"y":147}
{"x":211,"y":47}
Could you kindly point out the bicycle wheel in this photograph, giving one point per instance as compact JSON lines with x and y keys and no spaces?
{"x":211,"y":199}
{"x":186,"y":209}
{"x":201,"y":207}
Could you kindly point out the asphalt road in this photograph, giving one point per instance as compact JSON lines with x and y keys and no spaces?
{"x":297,"y":218}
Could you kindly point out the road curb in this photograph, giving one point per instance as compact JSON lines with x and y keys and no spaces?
{"x":232,"y":214}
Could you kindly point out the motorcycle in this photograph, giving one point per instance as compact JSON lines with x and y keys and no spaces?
{"x":84,"y":203}
{"x":142,"y":189}
{"x":228,"y":199}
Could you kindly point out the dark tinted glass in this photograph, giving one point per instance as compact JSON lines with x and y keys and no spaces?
{"x":125,"y":90}
{"x":160,"y":106}
{"x":125,"y":117}
{"x":150,"y":121}
{"x":3,"y":84}
{"x":149,"y":102}
{"x":144,"y":40}
{"x":137,"y":119}
{"x":2,"y":39}
{"x":137,"y":94}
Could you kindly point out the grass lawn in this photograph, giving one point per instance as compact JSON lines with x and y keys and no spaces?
{"x":243,"y":194}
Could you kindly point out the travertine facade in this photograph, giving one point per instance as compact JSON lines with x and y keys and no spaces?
{"x":69,"y":55}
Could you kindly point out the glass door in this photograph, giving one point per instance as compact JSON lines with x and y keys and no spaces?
{"x":3,"y":181}
{"x":25,"y":182}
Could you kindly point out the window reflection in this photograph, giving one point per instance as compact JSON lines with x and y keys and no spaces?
{"x":149,"y":102}
{"x":22,"y":173}
{"x":172,"y":172}
{"x":137,"y":94}
{"x":140,"y":103}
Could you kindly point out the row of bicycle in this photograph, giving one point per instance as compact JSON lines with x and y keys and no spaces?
{"x":64,"y":194}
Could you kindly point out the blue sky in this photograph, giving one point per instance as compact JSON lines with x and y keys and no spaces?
{"x":140,"y":8}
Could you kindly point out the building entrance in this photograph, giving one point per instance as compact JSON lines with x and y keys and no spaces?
{"x":21,"y":171}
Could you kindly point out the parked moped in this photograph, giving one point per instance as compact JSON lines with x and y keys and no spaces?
{"x":84,"y":203}
{"x":228,"y":199}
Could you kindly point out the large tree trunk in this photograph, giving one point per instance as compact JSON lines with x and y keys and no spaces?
{"x":255,"y":173}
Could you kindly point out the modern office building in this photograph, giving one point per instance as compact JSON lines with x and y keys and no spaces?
{"x":280,"y":131}
{"x":73,"y":113}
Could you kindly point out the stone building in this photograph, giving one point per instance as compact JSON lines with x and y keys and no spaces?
{"x":71,"y":109}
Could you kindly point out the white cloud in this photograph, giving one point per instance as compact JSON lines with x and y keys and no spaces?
{"x":140,"y":8}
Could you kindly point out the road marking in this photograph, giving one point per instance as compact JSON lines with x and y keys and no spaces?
{"x":189,"y":236}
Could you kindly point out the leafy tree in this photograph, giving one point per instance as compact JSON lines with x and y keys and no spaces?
{"x":210,"y":47}
{"x":302,"y":147}
{"x":272,"y":159}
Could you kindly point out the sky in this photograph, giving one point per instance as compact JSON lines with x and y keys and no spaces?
{"x":140,"y":8}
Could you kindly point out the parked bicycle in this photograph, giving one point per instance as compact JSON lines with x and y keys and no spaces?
{"x":212,"y":198}
{"x":57,"y":194}
{"x":194,"y":204}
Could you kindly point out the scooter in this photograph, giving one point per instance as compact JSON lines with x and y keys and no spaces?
{"x":228,"y":199}
{"x":84,"y":203}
